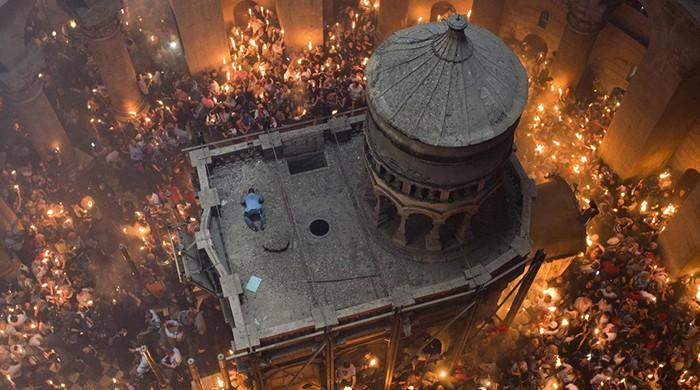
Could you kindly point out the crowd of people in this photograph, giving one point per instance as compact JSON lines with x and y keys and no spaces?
{"x":614,"y":319}
{"x":82,"y":310}
{"x":80,"y":307}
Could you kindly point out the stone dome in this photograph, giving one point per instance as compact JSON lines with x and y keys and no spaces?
{"x":447,"y":84}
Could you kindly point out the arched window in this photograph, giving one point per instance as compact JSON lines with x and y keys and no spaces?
{"x":544,"y":19}
{"x":240,"y":12}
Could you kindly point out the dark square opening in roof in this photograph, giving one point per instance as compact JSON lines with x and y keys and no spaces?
{"x":306,"y":163}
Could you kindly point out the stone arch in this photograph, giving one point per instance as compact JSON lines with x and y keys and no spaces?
{"x":456,"y":229}
{"x":534,"y":45}
{"x":240,"y":12}
{"x":441,"y":10}
{"x":418,"y":225}
{"x":386,"y":208}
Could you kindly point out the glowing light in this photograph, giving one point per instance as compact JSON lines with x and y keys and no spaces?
{"x":220,"y":382}
{"x":643,"y":207}
{"x":72,"y":24}
{"x":373,"y":362}
{"x":669,"y":210}
{"x":173,"y":45}
{"x":564,"y":322}
{"x":311,"y":46}
{"x":469,"y":14}
{"x":443,"y":374}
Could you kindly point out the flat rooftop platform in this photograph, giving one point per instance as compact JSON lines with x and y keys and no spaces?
{"x":350,"y":267}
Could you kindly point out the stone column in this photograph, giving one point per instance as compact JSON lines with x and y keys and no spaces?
{"x":302,"y":21}
{"x":583,"y":23}
{"x":376,"y":213}
{"x":432,"y":240}
{"x":106,"y":44}
{"x":392,"y":16}
{"x":662,"y":100}
{"x":202,"y":33}
{"x":680,"y":241}
{"x":23,"y":91}
{"x":401,"y":236}
{"x":464,"y":230}
{"x":487,"y":14}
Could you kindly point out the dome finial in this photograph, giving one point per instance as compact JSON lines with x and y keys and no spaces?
{"x":457,"y":22}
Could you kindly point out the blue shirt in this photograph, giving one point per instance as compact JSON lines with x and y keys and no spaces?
{"x":135,"y":152}
{"x":252,"y":201}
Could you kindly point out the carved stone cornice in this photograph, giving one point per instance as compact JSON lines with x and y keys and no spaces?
{"x":21,"y":83}
{"x":589,"y":16}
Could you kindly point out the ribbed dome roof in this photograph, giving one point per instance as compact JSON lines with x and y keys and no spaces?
{"x":447,"y":84}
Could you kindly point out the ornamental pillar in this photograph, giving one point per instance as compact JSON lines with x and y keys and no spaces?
{"x":432,"y":239}
{"x":583,"y":23}
{"x":487,"y":14}
{"x":106,"y":43}
{"x":464,"y":229}
{"x":401,"y":236}
{"x":202,"y":33}
{"x":22,"y":88}
{"x":660,"y":104}
{"x":392,"y":17}
{"x":377,"y":211}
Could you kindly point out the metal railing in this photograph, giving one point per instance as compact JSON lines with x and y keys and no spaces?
{"x":281,"y":129}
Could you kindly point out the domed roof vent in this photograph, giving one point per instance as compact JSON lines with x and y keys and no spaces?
{"x":447,"y":84}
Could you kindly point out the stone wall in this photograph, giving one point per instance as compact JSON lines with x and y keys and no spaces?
{"x":521,"y":17}
{"x":680,"y":241}
{"x":687,"y":155}
{"x":302,"y":21}
{"x":614,"y":55}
